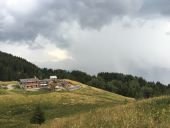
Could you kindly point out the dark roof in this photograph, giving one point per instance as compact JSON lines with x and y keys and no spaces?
{"x":47,"y":80}
{"x":44,"y":81}
{"x":29,"y":80}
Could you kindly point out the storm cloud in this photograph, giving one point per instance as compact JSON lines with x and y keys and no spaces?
{"x":25,"y":20}
{"x":129,"y":36}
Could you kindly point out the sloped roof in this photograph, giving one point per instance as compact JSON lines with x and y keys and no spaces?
{"x":44,"y":80}
{"x":29,"y":80}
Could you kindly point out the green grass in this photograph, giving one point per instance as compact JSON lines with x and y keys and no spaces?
{"x":87,"y":107}
{"x":9,"y":82}
{"x":3,"y":91}
{"x":17,"y":106}
{"x":152,"y":113}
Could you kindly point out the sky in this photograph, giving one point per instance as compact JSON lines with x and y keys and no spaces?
{"x":126,"y":36}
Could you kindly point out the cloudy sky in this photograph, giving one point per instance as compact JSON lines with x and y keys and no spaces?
{"x":128,"y":36}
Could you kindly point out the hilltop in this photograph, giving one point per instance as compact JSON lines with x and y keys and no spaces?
{"x":87,"y":107}
{"x":17,"y":106}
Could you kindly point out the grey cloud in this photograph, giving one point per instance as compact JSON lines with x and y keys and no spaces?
{"x":156,"y":7}
{"x":93,"y":14}
{"x":153,"y":74}
{"x":49,"y":15}
{"x":118,"y":48}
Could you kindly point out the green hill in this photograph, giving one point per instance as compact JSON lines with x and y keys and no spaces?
{"x":17,"y":106}
{"x":14,"y":68}
{"x":87,"y":107}
{"x":152,"y":113}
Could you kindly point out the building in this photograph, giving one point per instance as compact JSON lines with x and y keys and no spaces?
{"x":53,"y":77}
{"x":36,"y":83}
{"x":44,"y":82}
{"x":29,"y":83}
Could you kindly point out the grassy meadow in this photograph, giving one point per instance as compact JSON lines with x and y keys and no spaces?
{"x":17,"y":106}
{"x":152,"y":113}
{"x":85,"y":108}
{"x":8,"y":83}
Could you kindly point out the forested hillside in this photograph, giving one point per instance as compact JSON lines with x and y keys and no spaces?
{"x":123,"y":84}
{"x":14,"y":68}
{"x":128,"y":85}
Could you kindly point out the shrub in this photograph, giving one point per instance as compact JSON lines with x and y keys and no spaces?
{"x":38,"y":116}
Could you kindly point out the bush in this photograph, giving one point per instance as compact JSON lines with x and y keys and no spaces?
{"x":38,"y":116}
{"x":147,"y":92}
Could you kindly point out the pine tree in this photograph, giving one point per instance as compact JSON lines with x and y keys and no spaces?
{"x":38,"y":116}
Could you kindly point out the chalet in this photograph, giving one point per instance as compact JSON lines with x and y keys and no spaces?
{"x":35,"y":83}
{"x":29,"y":83}
{"x":44,"y":82}
{"x":52,"y":83}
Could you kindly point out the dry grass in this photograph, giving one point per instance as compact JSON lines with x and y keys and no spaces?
{"x":16,"y":107}
{"x":85,"y":108}
{"x":152,"y":113}
{"x":9,"y":82}
{"x":91,"y":91}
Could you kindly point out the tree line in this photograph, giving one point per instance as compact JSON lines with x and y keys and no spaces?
{"x":15,"y":68}
{"x":127,"y":85}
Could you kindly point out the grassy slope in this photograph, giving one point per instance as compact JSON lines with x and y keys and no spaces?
{"x":9,"y":82}
{"x":152,"y":113}
{"x":16,"y":107}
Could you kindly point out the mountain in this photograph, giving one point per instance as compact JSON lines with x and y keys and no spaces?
{"x":14,"y":68}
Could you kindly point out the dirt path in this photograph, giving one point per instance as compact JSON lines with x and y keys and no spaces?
{"x":10,"y":86}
